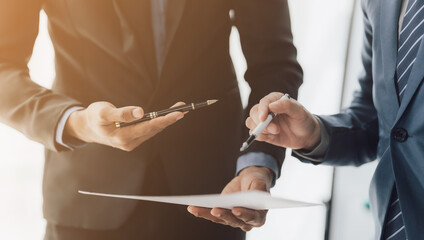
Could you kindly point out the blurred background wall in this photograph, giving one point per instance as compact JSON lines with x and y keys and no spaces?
{"x":328,"y":35}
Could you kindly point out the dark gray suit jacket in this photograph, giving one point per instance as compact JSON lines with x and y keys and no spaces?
{"x":376,"y":126}
{"x":104,"y":52}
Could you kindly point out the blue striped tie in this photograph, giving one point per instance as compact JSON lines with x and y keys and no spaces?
{"x":394,"y":228}
{"x":409,"y":41}
{"x":410,"y":37}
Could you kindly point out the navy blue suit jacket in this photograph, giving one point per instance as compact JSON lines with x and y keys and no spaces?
{"x":375,"y":125}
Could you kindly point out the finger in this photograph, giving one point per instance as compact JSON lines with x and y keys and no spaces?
{"x":272,"y":128}
{"x":286,"y":106}
{"x":156,"y":125}
{"x":263,"y":108}
{"x":142,"y":131}
{"x":252,"y":125}
{"x":124,"y":114}
{"x":259,"y":185}
{"x":168,"y":119}
{"x":246,"y":229}
{"x":255,"y":218}
{"x":232,"y":187}
{"x":204,"y":213}
{"x":179,"y":104}
{"x":228,"y":217}
{"x":266,"y":137}
{"x":273,"y":139}
{"x":254,"y":114}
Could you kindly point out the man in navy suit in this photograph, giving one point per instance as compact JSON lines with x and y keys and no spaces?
{"x":384,"y":122}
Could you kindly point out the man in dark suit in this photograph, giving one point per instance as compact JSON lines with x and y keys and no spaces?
{"x":384,"y":122}
{"x":112,"y":56}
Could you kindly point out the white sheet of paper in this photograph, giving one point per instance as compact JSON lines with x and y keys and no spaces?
{"x":252,"y":199}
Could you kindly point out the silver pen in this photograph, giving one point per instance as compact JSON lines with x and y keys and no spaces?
{"x":260,"y":128}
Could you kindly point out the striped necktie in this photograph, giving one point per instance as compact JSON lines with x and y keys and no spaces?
{"x":410,"y":37}
{"x":394,"y":228}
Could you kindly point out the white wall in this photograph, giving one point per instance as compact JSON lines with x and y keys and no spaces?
{"x":351,"y":218}
{"x":21,"y":161}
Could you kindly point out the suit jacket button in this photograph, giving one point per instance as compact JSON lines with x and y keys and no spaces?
{"x":400,"y":135}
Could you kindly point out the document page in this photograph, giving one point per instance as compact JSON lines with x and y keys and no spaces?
{"x":257,"y":200}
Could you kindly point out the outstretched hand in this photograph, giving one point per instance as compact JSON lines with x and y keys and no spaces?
{"x":251,"y":178}
{"x":96,"y":124}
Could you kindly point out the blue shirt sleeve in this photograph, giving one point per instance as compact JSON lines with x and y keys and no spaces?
{"x":258,"y":159}
{"x":61,"y":128}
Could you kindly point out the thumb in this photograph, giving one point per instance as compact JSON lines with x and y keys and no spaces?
{"x":263,"y":106}
{"x":259,"y":185}
{"x":125,"y":114}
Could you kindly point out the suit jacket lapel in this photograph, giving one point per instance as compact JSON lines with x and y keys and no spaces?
{"x":389,"y":19}
{"x":414,"y":81}
{"x":175,"y":11}
{"x":136,"y":20}
{"x":137,"y":34}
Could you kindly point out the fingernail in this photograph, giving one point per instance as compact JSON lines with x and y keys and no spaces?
{"x":216,"y":214}
{"x":237,"y":213}
{"x":190,"y":210}
{"x":180,"y":117}
{"x":137,"y":113}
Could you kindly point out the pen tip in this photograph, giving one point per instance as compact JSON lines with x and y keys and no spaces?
{"x":210,"y":102}
{"x":243,"y":147}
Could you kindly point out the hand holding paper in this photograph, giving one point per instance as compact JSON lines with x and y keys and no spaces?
{"x":258,"y":180}
{"x":244,"y":202}
{"x":251,"y":199}
{"x":251,"y":178}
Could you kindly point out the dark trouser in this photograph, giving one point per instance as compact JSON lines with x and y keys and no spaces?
{"x":184,"y":227}
{"x":152,"y":221}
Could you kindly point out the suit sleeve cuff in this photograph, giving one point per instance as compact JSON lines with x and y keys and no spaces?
{"x":72,"y":144}
{"x":258,"y":159}
{"x":317,"y":154}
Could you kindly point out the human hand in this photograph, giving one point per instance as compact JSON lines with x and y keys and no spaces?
{"x":96,"y":124}
{"x":294,"y":126}
{"x":251,"y":178}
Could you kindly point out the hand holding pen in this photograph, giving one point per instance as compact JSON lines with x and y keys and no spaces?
{"x":97,"y":124}
{"x":124,"y":128}
{"x":179,"y":108}
{"x":292,"y":125}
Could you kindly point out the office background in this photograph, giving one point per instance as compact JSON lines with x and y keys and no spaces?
{"x":328,"y":35}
